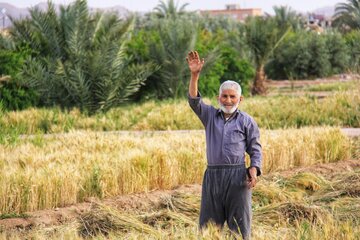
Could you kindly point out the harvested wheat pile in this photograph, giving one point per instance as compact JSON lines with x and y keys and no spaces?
{"x":306,"y":181}
{"x":346,"y":209}
{"x":102,"y":220}
{"x":345,"y":185}
{"x":165,"y":219}
{"x":187,"y":204}
{"x":267,"y":192}
{"x":289,"y":213}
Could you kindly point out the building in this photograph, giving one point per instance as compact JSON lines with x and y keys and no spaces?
{"x":320,"y":19}
{"x":318,"y":23}
{"x":235,"y":12}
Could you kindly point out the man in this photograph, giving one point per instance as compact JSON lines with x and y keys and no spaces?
{"x":227,"y":184}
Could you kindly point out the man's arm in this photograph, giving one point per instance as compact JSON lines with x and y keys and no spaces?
{"x":195,"y":66}
{"x":253,"y":148}
{"x":197,"y":105}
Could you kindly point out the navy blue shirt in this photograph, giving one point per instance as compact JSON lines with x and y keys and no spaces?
{"x":228,"y":140}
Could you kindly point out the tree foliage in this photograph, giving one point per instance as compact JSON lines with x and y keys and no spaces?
{"x":306,"y":55}
{"x":80,"y":57}
{"x":169,"y":9}
{"x":285,"y":18}
{"x":14,"y":96}
{"x":262,"y":37}
{"x":352,"y":40}
{"x":228,"y":63}
{"x":347,"y":15}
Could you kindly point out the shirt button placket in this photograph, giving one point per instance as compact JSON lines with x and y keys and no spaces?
{"x":223,"y":140}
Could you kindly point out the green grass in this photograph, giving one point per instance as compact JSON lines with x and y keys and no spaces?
{"x":340,"y":109}
{"x":331,"y":87}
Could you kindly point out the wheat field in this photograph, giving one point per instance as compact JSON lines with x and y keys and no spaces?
{"x":43,"y":172}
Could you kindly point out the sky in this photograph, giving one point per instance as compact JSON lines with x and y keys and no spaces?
{"x":148,"y":5}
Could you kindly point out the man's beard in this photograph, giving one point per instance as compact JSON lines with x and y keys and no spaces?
{"x":231,"y":110}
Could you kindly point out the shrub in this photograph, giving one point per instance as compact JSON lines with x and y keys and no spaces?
{"x":17,"y":97}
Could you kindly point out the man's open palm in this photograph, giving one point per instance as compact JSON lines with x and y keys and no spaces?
{"x":194,"y":62}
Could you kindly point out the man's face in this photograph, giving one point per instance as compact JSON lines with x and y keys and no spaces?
{"x":229,"y":100}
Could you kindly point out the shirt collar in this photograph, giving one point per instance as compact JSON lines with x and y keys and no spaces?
{"x":219,"y":113}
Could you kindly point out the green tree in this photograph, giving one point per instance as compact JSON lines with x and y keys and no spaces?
{"x":220,"y":41}
{"x":353,"y":44}
{"x":320,"y":65}
{"x":14,"y":96}
{"x":304,"y":55}
{"x":168,"y":48}
{"x":347,"y":15}
{"x":80,"y":58}
{"x":168,"y":41}
{"x":262,"y":37}
{"x":169,"y":9}
{"x":286,"y":17}
{"x":339,"y":54}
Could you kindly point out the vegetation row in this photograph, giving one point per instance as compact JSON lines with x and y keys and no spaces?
{"x":96,"y":61}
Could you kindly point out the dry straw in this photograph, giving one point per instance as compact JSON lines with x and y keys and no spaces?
{"x":66,"y":169}
{"x":102,"y":220}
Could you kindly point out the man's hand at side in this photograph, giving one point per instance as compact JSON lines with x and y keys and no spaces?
{"x":252,"y":179}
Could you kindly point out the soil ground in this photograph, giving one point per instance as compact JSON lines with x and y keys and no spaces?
{"x":298,"y":87}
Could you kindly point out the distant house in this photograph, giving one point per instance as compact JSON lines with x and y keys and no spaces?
{"x":320,"y":20}
{"x":235,"y":12}
{"x":318,"y":23}
{"x":4,"y":32}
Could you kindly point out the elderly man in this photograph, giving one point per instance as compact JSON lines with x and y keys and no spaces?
{"x":227,"y":183}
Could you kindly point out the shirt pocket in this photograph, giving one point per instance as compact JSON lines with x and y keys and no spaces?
{"x":236,"y":143}
{"x":236,"y":136}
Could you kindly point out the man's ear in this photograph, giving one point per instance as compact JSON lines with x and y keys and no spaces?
{"x":218,"y":98}
{"x":241,"y":98}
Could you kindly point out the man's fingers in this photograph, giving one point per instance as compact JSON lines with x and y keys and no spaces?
{"x":196,"y":55}
{"x":190,"y":56}
{"x":251,"y":183}
{"x":193,"y":55}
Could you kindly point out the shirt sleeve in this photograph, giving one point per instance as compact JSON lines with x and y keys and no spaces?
{"x":253,"y":146}
{"x":200,"y":108}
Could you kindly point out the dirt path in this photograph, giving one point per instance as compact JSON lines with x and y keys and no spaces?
{"x":298,"y":88}
{"x":303,"y":83}
{"x":145,"y":201}
{"x":350,"y":132}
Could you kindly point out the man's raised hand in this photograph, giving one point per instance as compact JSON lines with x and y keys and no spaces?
{"x":194,"y":62}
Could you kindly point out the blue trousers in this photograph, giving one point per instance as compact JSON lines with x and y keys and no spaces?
{"x":225,"y":197}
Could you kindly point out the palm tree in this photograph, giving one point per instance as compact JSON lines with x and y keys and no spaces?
{"x":169,"y":9}
{"x":80,"y":59}
{"x":172,"y":41}
{"x":286,"y":17}
{"x":347,"y":15}
{"x":262,"y":37}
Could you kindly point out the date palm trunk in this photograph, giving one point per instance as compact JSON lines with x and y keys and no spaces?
{"x":259,"y":87}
